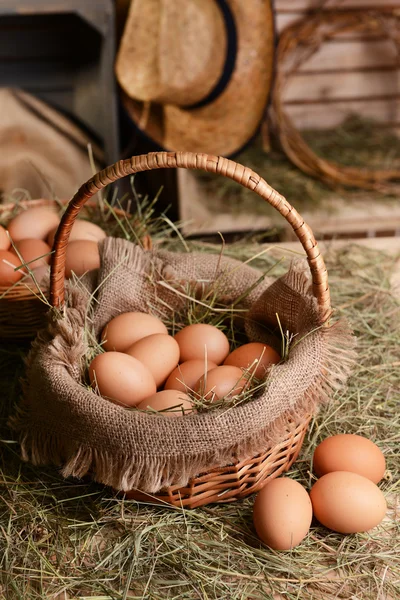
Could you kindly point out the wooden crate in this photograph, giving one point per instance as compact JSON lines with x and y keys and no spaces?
{"x":349,"y":74}
{"x":63,"y":52}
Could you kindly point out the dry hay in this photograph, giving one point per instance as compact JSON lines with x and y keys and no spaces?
{"x":75,"y":539}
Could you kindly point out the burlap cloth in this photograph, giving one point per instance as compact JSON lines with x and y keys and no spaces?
{"x":62,"y":421}
{"x":41,"y":150}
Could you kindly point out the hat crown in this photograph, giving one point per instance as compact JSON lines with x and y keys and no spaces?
{"x":177,"y":53}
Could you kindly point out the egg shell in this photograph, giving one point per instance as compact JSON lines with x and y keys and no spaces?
{"x":178,"y":402}
{"x":347,"y":502}
{"x":34,"y":223}
{"x":222,"y":382}
{"x":4,"y":239}
{"x":81,"y":230}
{"x":82,"y":256}
{"x":127,"y":328}
{"x":121,"y":378}
{"x":8,"y":261}
{"x":159,"y":352}
{"x":282,"y":513}
{"x":200,"y":341}
{"x":246,"y":356}
{"x":348,"y":452}
{"x":187,"y":374}
{"x":35,"y":253}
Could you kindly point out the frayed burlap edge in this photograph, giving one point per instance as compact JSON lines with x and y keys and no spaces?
{"x":124,"y":472}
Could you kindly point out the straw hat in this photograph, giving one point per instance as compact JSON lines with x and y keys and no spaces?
{"x":196,"y":74}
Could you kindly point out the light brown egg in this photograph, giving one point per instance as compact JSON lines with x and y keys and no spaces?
{"x":81,"y":230}
{"x":127,"y":328}
{"x":282,"y":513}
{"x":255,"y":355}
{"x":222,"y":382}
{"x":82,"y":256}
{"x":347,"y":502}
{"x":348,"y":452}
{"x":121,"y":378}
{"x":31,"y":251}
{"x":8,"y":262}
{"x":34,"y":223}
{"x":187,"y":374}
{"x":200,"y":341}
{"x":173,"y":402}
{"x":4,"y":239}
{"x":159,"y":352}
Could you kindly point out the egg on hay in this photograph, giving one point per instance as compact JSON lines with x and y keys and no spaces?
{"x":282,"y":513}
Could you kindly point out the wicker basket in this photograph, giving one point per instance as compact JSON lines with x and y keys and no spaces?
{"x":234,"y":481}
{"x":21,"y":309}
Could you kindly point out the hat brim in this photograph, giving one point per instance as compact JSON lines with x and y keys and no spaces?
{"x":224,"y":125}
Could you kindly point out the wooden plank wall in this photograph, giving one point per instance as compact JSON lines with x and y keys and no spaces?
{"x":349,"y":74}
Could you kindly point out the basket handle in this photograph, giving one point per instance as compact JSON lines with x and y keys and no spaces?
{"x":188,"y":160}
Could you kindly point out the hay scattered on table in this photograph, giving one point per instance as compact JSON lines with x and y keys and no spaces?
{"x":68,"y":539}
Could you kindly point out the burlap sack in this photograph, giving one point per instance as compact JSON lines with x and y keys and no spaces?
{"x":63,"y":421}
{"x":42,"y":152}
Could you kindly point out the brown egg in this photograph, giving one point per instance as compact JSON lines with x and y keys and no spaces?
{"x":348,"y":452}
{"x":8,"y":262}
{"x":81,"y":230}
{"x":126,"y":329}
{"x":31,"y":250}
{"x":173,"y":402}
{"x":4,"y":239}
{"x":200,"y":341}
{"x":255,"y":355}
{"x":34,"y":223}
{"x":282,"y":513}
{"x":347,"y":502}
{"x":82,"y":256}
{"x":121,"y":378}
{"x":159,"y":352}
{"x":186,"y":375}
{"x":222,"y":382}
